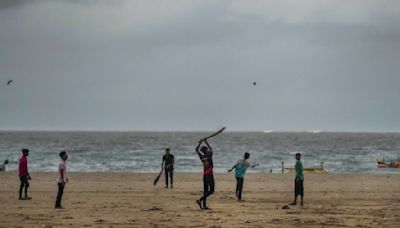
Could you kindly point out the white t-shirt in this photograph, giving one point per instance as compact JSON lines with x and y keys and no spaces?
{"x":62,"y":169}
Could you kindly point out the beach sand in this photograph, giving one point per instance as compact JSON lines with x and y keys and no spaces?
{"x":131,"y":200}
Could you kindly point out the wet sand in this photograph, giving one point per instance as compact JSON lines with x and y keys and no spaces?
{"x":131,"y":200}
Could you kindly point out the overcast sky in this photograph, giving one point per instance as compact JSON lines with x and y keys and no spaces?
{"x":190,"y":65}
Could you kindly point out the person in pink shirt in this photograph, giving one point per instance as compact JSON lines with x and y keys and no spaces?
{"x":23,"y":174}
{"x":61,"y":178}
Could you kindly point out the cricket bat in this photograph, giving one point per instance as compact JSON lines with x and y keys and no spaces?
{"x":158,"y":177}
{"x":215,"y":133}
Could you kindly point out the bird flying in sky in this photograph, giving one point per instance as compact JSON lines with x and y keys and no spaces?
{"x":9,"y":82}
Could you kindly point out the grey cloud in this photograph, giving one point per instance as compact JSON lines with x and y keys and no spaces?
{"x":193,"y":71}
{"x":6,"y":4}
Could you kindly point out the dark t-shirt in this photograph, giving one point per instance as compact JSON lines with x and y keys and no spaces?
{"x":207,"y":161}
{"x":168,"y":159}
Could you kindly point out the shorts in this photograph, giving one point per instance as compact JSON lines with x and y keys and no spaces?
{"x":298,"y":187}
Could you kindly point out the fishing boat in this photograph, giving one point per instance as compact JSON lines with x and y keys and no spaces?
{"x":306,"y":169}
{"x":383,"y":164}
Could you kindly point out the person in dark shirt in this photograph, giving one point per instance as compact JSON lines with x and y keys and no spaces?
{"x":168,"y":165}
{"x":205,"y":154}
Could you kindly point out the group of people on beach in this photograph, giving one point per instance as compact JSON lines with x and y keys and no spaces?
{"x":25,"y":177}
{"x":203,"y":150}
{"x":205,"y":154}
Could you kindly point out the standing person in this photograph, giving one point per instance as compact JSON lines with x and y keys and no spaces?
{"x":23,"y":174}
{"x":61,"y":178}
{"x":3,"y":166}
{"x":168,"y":165}
{"x":240,"y":170}
{"x":298,"y":182}
{"x":205,"y":154}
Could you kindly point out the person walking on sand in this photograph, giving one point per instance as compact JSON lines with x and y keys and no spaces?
{"x":61,"y":178}
{"x":205,"y":154}
{"x":23,"y":174}
{"x":240,"y":170}
{"x":168,"y":165}
{"x":298,"y":182}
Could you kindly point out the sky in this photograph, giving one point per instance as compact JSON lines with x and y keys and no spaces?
{"x":178,"y":65}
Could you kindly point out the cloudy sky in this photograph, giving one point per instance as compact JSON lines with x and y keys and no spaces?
{"x":189,"y":65}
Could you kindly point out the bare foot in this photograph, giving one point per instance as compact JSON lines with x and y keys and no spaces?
{"x":199,"y":203}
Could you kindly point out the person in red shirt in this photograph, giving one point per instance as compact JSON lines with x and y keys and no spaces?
{"x":23,"y":173}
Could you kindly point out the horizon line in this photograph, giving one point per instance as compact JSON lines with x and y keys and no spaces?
{"x":184,"y":131}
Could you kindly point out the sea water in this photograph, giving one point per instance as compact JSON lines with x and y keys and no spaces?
{"x":142,"y":151}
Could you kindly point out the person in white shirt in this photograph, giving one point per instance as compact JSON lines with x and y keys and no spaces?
{"x":61,"y":178}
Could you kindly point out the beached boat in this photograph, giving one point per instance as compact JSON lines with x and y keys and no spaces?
{"x":383,"y":164}
{"x":306,"y":170}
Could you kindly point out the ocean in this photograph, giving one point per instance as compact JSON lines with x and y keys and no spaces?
{"x":142,"y":151}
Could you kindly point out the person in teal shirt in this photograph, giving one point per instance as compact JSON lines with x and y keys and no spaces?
{"x":298,"y":182}
{"x":240,"y":170}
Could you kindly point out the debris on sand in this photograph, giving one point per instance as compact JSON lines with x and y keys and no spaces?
{"x":153,"y":209}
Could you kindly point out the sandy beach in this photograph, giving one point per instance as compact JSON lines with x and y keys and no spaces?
{"x":131,"y":200}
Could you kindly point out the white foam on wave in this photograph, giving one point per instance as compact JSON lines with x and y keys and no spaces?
{"x":267,"y":131}
{"x":314,"y":131}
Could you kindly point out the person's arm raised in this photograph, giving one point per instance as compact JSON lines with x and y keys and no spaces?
{"x":208,"y":145}
{"x":198,"y":147}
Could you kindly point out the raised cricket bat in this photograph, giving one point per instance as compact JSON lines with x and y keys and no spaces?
{"x":215,"y":133}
